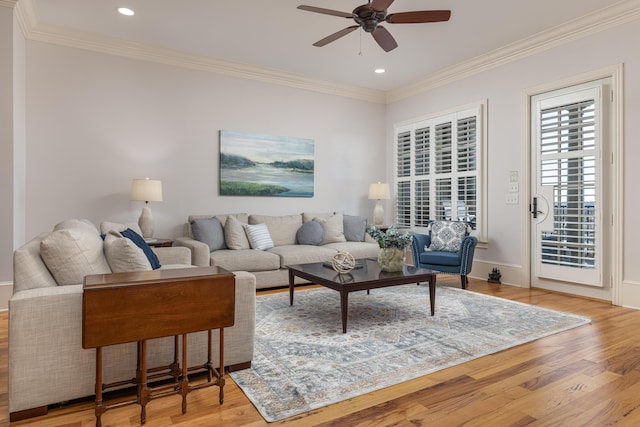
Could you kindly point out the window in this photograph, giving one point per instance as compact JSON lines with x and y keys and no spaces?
{"x":439,"y":169}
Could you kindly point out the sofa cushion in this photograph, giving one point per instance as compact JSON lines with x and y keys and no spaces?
{"x":209,"y":231}
{"x":107,"y":226}
{"x":301,"y":254}
{"x":309,"y":216}
{"x":333,"y":229}
{"x":282,"y":228}
{"x":440,"y":258}
{"x":77,"y":224}
{"x":355,"y":227}
{"x":245,"y":260}
{"x":29,"y":270}
{"x":310,"y":233}
{"x":234,"y":234}
{"x":72,"y":253}
{"x":447,"y":235}
{"x":123,"y":255}
{"x":357,"y":249}
{"x":139,"y":242}
{"x":259,"y":237}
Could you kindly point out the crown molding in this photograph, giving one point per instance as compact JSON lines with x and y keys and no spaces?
{"x":33,"y":30}
{"x":612,"y":16}
{"x":8,"y":3}
{"x":601,"y":20}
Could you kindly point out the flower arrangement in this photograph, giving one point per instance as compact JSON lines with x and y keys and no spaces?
{"x":392,"y":238}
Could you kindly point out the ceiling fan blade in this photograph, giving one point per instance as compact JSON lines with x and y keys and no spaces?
{"x":326,"y":11}
{"x":418,"y":17}
{"x":335,"y":36}
{"x":380,"y":5}
{"x":384,"y":39}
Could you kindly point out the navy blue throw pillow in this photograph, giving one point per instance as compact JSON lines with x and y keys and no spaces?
{"x":139,"y":242}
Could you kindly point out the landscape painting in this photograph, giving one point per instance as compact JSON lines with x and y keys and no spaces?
{"x":265,"y":165}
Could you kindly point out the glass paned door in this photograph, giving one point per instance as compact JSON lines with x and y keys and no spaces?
{"x":567,"y":196}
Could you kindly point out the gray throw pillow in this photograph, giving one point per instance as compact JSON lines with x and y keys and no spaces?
{"x":355,"y":227}
{"x":209,"y":231}
{"x":310,"y":233}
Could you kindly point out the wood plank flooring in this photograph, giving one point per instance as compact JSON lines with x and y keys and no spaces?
{"x":588,"y":376}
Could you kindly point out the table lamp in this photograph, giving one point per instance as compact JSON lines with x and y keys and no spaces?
{"x":146,"y":190}
{"x":378,"y":192}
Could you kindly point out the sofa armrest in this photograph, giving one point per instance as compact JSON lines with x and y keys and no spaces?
{"x":45,"y":334}
{"x":467,"y":249}
{"x":200,"y":253}
{"x":173,"y":255}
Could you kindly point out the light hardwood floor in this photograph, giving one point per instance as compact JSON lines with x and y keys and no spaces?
{"x":588,"y":376}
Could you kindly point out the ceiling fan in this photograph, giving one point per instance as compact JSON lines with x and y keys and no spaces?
{"x":369,"y":16}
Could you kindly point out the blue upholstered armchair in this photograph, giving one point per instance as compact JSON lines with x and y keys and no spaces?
{"x":448,"y":248}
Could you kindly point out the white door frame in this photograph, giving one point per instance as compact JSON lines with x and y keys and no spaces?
{"x":616,"y":166}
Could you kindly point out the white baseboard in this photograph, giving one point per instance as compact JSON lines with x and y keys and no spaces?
{"x":6,"y":290}
{"x":511,"y":274}
{"x":630,"y":294}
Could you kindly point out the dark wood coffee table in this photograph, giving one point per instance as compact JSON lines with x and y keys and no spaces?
{"x":370,"y":276}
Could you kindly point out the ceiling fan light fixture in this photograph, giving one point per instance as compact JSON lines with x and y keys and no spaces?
{"x":126,"y":11}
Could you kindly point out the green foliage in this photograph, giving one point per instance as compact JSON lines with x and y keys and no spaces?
{"x":302,"y":165}
{"x":242,"y":188}
{"x":231,"y":161}
{"x":392,"y":238}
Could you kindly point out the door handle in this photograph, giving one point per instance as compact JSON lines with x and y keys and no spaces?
{"x":533,"y":208}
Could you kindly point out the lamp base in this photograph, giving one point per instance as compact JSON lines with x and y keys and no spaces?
{"x":146,"y":223}
{"x":378,"y":214}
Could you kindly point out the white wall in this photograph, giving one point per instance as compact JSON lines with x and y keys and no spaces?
{"x":96,"y":121}
{"x":503,"y":87}
{"x":6,"y":142}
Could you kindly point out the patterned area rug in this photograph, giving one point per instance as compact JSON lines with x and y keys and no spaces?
{"x":303,"y":360}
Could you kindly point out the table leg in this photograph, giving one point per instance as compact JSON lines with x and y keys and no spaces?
{"x":432,"y":294}
{"x":184,"y":383}
{"x":344,"y":302}
{"x":144,"y":390}
{"x":221,"y":372}
{"x":99,"y":407}
{"x":291,"y":280}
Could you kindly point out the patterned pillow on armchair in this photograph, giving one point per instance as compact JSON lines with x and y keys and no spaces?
{"x":447,"y":236}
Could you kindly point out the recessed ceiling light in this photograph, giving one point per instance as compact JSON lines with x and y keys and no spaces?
{"x":126,"y":11}
{"x":379,"y":70}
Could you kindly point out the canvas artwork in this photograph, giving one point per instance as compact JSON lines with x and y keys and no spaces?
{"x":265,"y":165}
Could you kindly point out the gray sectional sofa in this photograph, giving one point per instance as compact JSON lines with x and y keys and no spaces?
{"x":224,"y":240}
{"x":47,"y":363}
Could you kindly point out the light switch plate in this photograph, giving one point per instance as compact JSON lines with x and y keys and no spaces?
{"x":511,"y":199}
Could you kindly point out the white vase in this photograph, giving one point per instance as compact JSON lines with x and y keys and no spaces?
{"x":391,"y":259}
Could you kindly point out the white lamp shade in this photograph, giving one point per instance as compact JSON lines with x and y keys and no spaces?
{"x":146,"y":190}
{"x":379,"y":191}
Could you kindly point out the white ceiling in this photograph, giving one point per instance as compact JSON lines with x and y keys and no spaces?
{"x":276,"y":36}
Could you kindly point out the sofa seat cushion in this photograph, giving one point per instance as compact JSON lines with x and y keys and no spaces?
{"x":282,"y":228}
{"x":440,"y":258}
{"x":302,"y":254}
{"x":357,"y":249}
{"x":245,"y":259}
{"x":174,"y":266}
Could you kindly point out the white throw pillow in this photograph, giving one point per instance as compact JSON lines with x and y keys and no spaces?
{"x":259,"y":237}
{"x":123,"y":255}
{"x":333,"y":229}
{"x":107,"y":226}
{"x":71,"y":254}
{"x":234,"y":234}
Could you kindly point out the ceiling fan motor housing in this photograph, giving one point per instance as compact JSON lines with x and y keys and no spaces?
{"x":368,"y":18}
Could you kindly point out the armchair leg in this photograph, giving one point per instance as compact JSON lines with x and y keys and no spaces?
{"x":464,"y":281}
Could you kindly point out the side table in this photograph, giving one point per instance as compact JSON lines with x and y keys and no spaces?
{"x":120,"y":308}
{"x":160,"y":243}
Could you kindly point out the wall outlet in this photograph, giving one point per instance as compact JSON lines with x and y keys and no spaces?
{"x":511,"y":199}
